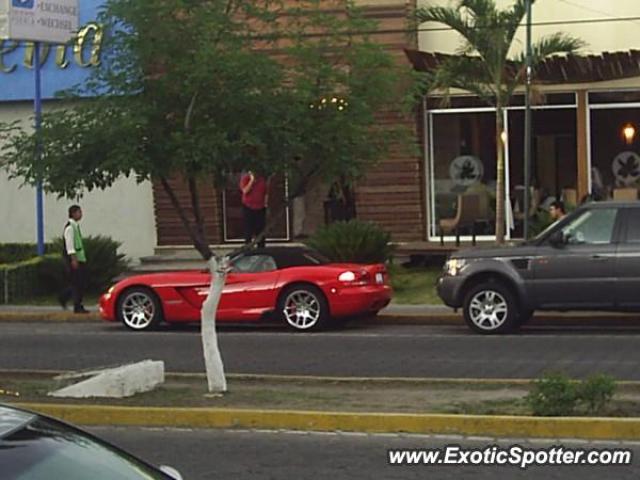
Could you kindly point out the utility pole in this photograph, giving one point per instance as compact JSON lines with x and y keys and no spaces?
{"x":527,"y":127}
{"x":37,"y":105}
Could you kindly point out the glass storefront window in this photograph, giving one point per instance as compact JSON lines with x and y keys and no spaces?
{"x":463,"y":168}
{"x":553,"y":161}
{"x":615,"y":153}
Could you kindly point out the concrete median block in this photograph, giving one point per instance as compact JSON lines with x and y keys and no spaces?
{"x":119,"y":382}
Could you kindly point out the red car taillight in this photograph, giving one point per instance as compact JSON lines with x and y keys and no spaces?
{"x":352,"y":278}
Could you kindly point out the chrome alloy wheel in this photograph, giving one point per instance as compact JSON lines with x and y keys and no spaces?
{"x":488,"y":310}
{"x":138,"y":310}
{"x":301,"y":309}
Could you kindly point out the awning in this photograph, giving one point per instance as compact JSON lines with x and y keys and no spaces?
{"x":557,"y":69}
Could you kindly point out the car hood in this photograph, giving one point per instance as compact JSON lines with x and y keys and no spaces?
{"x":507,"y":251}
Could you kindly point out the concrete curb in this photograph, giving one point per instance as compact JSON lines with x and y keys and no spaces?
{"x":427,"y":318}
{"x":260,"y":377}
{"x":46,"y":317}
{"x":466,"y":425}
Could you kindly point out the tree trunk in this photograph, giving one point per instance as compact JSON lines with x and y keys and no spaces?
{"x":500,"y":174}
{"x":216,"y":380}
{"x":195,"y":205}
{"x":199,"y":241}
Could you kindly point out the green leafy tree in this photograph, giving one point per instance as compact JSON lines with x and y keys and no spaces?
{"x":204,"y":89}
{"x":485,"y":65}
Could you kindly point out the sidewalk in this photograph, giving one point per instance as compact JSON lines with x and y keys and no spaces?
{"x":45,"y":313}
{"x":394,"y":314}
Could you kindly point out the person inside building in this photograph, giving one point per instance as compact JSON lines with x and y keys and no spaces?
{"x":75,"y":261}
{"x":557,"y":210}
{"x":255,"y":198}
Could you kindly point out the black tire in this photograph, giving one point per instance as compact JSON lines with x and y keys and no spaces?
{"x":313,"y":310}
{"x":149,"y":315}
{"x":491,"y":308}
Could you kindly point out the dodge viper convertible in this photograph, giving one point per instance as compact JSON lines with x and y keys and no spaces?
{"x":295,"y":285}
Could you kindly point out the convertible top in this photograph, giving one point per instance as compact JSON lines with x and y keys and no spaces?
{"x":292,"y":256}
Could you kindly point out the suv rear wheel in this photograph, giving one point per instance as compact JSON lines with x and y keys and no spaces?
{"x":490,"y":307}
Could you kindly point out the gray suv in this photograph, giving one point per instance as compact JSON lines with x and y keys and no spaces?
{"x":589,"y":260}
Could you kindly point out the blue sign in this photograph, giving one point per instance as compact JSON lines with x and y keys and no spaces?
{"x":63,"y":66}
{"x":24,"y":4}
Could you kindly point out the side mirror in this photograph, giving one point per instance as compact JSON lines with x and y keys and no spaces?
{"x":172,"y":472}
{"x":557,"y":239}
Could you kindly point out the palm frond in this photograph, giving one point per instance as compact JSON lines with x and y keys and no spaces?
{"x":479,"y":9}
{"x":555,"y":44}
{"x":465,"y":73}
{"x":513,"y":17}
{"x":450,"y":17}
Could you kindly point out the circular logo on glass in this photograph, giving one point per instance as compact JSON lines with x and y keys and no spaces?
{"x":626,"y":168}
{"x":466,"y":170}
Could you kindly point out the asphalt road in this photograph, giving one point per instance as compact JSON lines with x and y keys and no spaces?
{"x":250,"y":455}
{"x":393,"y":351}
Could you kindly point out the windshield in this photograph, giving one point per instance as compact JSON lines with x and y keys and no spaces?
{"x":47,"y":450}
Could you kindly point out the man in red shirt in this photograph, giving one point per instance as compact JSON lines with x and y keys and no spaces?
{"x":255,"y":196}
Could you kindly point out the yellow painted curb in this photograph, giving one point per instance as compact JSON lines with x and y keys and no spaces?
{"x":467,"y":425}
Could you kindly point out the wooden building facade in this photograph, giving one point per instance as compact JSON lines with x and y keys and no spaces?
{"x":391,"y":194}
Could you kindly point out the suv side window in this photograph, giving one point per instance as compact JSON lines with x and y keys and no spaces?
{"x":633,"y":225}
{"x":592,"y":227}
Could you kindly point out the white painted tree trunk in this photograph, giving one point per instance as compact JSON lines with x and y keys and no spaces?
{"x":212,"y":359}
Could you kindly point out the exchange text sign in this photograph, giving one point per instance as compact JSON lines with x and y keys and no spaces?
{"x":52,"y":21}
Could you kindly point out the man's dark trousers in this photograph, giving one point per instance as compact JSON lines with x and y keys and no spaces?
{"x":254,"y":224}
{"x":78,"y":280}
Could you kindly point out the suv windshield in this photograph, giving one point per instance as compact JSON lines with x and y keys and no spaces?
{"x":47,"y":450}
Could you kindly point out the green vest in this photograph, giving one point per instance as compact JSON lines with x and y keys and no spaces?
{"x":77,"y":243}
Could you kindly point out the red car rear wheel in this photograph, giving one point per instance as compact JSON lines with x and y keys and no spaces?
{"x":304,"y":307}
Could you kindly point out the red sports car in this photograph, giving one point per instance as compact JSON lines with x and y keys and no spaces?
{"x":295,"y":285}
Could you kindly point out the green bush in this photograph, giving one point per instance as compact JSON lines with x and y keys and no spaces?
{"x":34,"y":276}
{"x":17,"y":252}
{"x":553,"y":395}
{"x":352,"y":241}
{"x":104,"y":263}
{"x":596,"y":391}
{"x":556,"y":394}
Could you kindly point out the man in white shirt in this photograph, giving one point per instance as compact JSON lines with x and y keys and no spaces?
{"x":75,"y":259}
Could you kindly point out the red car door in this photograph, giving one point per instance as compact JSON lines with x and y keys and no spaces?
{"x":249,"y":291}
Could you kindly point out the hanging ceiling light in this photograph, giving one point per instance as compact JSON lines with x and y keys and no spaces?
{"x":629,"y":133}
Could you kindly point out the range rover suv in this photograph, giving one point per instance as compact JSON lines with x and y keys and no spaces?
{"x":589,"y":260}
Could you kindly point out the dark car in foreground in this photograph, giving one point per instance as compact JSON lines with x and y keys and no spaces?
{"x":589,"y":260}
{"x":36,"y":447}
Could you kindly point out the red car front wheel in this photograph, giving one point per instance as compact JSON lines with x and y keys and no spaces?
{"x":139,"y":309}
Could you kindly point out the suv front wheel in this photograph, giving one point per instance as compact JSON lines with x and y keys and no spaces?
{"x":491,"y":308}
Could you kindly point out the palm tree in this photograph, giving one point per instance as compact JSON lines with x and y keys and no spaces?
{"x":484,"y":66}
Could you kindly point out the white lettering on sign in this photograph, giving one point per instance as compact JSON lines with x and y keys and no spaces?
{"x":52,"y":21}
